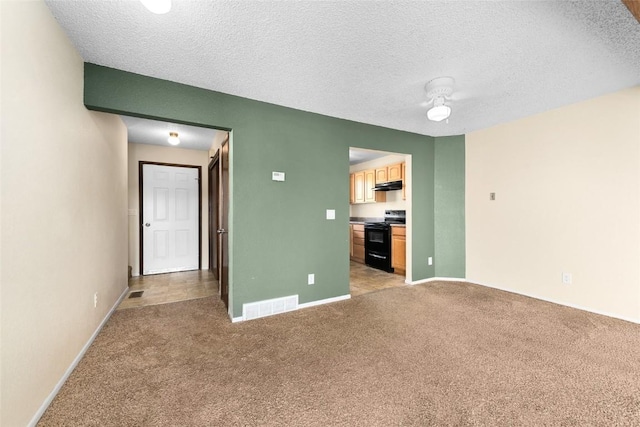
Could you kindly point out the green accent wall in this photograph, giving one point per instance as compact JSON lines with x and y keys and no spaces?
{"x":449,"y":206}
{"x":277,"y":230}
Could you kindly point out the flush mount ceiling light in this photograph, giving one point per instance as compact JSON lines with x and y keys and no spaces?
{"x":439,"y":90}
{"x":157,"y":6}
{"x":173,"y":138}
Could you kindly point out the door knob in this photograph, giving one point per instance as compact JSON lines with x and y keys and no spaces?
{"x":221,"y":231}
{"x":147,"y":225}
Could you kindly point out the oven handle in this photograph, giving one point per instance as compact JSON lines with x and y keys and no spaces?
{"x":378,"y":256}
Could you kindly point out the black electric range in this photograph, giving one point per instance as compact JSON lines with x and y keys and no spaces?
{"x":377,"y":240}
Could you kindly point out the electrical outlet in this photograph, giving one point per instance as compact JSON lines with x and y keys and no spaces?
{"x":95,"y":300}
{"x":566,"y":278}
{"x":430,"y":260}
{"x":492,"y":196}
{"x":311,"y":279}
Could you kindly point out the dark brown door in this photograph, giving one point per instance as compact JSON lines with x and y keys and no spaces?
{"x":214,"y":215}
{"x":224,"y":223}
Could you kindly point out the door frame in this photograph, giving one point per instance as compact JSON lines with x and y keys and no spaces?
{"x":214,"y":214}
{"x":141,"y":217}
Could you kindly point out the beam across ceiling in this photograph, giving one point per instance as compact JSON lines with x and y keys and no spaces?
{"x":634,"y":7}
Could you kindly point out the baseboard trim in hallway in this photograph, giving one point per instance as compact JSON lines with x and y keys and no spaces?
{"x":75,"y":362}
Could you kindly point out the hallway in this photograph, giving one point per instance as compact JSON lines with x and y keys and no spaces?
{"x":169,"y":287}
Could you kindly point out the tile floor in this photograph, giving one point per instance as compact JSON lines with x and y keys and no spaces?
{"x":170,"y":287}
{"x":364,"y":279}
{"x":174,"y":287}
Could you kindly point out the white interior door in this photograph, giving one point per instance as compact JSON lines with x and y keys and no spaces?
{"x":169,"y":218}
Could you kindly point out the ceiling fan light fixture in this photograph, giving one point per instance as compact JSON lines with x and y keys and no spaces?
{"x":173,"y":138}
{"x":439,"y":113}
{"x":438,"y":90}
{"x":159,"y":7}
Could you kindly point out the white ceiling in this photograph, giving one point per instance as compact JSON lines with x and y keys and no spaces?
{"x":369,"y":61}
{"x":357,"y":155}
{"x":144,"y":131}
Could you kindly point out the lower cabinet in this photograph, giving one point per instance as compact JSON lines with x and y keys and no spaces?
{"x":357,"y":243}
{"x":399,"y":249}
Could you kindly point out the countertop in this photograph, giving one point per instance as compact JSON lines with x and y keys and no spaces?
{"x":364,"y":220}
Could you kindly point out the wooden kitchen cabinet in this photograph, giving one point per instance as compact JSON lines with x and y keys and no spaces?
{"x":371,"y":196}
{"x":399,"y":249}
{"x":352,"y":189}
{"x":361,"y":188}
{"x":404,"y":181}
{"x":381,"y":175}
{"x":394,"y":172}
{"x":357,"y":243}
{"x":351,"y":241}
{"x":358,"y":187}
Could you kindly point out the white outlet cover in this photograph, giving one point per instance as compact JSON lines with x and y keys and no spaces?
{"x":277,"y":176}
{"x":311,"y":279}
{"x":430,"y":260}
{"x":331,"y":214}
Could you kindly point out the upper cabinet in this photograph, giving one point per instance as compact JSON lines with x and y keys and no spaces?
{"x":361,"y":190}
{"x":389,"y":173}
{"x":404,"y":181}
{"x":352,"y":189}
{"x":394,"y":172}
{"x":363,"y":182}
{"x":370,"y":195}
{"x":358,"y":187}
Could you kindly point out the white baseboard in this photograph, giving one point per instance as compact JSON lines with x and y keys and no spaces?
{"x":324,"y":301}
{"x":304,"y":305}
{"x":538,"y":297}
{"x":75,"y":362}
{"x":436,"y":279}
{"x":566,"y":304}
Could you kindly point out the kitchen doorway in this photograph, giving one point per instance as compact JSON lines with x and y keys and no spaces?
{"x":379,"y":220}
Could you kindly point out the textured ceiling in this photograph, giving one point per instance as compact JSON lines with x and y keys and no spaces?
{"x":143,"y":131}
{"x":369,"y":61}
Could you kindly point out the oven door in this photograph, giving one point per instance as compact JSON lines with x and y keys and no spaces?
{"x":377,"y":247}
{"x":376,"y":238}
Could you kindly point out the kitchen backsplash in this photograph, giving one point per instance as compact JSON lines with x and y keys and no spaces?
{"x":394,"y":202}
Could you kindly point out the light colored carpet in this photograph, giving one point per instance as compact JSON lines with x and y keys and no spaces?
{"x":435,"y":354}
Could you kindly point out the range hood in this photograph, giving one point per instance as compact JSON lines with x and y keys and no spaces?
{"x":388,"y":186}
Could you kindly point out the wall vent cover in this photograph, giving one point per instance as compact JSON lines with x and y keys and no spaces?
{"x":254,"y":310}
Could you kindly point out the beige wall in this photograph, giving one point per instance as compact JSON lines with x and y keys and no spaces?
{"x":217,"y":142}
{"x":567,"y":186}
{"x":64,"y":229}
{"x":157,"y":153}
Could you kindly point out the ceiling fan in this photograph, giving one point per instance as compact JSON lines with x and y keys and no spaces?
{"x":439,"y":91}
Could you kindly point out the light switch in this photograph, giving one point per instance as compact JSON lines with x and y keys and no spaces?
{"x":331,"y":214}
{"x":277,"y":176}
